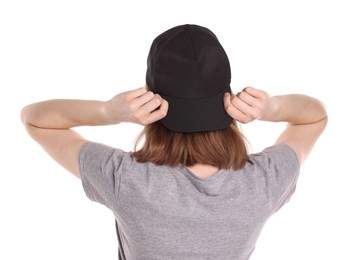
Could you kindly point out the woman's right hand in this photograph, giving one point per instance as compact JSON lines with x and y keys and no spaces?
{"x":248,"y":105}
{"x":306,"y":116}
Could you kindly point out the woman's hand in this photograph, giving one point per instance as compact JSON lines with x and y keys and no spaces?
{"x":247,"y":105}
{"x":138,"y":106}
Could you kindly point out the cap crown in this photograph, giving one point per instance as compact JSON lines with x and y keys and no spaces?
{"x":189,"y":68}
{"x":187,"y":61}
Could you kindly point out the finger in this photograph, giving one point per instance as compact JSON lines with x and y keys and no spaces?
{"x":255,"y":92}
{"x":232,"y":111}
{"x":133,"y":94}
{"x":237,"y":115}
{"x":249,"y":99}
{"x":151,"y":105}
{"x":227,"y":98}
{"x":158,"y":114}
{"x":250,"y":112}
{"x":143,"y":99}
{"x":241,"y":105}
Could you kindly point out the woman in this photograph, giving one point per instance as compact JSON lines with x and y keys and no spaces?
{"x":192,"y":191}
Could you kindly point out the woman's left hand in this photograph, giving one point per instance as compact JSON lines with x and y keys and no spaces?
{"x":138,"y":106}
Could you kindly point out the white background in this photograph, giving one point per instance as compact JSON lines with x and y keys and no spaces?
{"x":96,"y":49}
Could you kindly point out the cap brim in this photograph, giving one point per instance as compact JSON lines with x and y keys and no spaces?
{"x":197,"y":115}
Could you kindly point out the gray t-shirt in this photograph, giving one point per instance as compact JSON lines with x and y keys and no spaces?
{"x":169,"y":213}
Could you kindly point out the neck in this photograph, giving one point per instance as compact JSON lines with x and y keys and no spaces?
{"x":203,"y":170}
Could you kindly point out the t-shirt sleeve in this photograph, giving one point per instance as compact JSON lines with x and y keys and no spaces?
{"x":281,"y":169}
{"x":100,"y":168}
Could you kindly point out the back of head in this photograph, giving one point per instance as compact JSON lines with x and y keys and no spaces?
{"x":188,"y":67}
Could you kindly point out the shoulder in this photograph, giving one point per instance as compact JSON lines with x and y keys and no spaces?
{"x":275,"y":170}
{"x":96,"y":156}
{"x":101,"y":168}
{"x":279,"y":155}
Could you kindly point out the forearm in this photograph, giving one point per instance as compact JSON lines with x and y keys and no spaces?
{"x":295,"y":109}
{"x":137,"y":106}
{"x":64,"y":114}
{"x":49,"y":122}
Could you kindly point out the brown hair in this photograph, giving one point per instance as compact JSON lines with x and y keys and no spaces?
{"x":221,"y":148}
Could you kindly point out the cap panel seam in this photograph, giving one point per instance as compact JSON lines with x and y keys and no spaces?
{"x":192,"y":44}
{"x":158,"y":54}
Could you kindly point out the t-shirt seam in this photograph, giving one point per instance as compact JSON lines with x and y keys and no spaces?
{"x":82,"y":158}
{"x":189,"y":173}
{"x":123,"y":170}
{"x":295,"y":164}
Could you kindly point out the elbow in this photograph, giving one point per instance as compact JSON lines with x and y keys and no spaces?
{"x":324,"y":110}
{"x":323,"y":114}
{"x":23,"y":115}
{"x":325,"y":120}
{"x":29,"y":116}
{"x":25,"y":118}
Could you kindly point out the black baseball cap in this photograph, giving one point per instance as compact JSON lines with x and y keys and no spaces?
{"x":188,"y":67}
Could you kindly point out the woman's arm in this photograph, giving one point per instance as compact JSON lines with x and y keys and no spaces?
{"x":306,"y":116}
{"x":49,"y":122}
